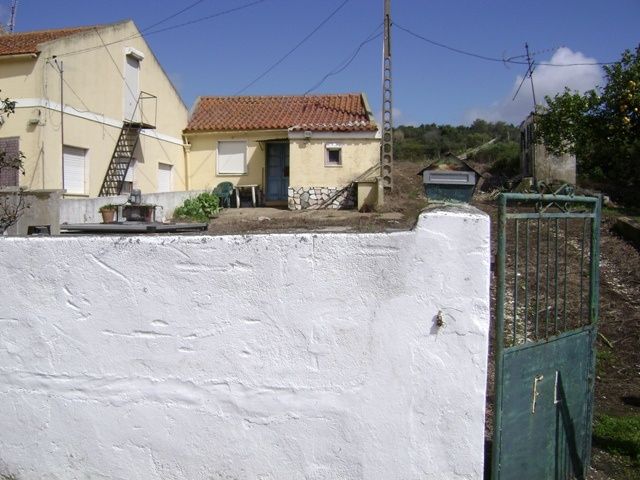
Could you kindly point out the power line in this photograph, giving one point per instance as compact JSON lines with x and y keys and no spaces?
{"x":208,"y":17}
{"x":165,"y":29}
{"x":579,"y":64}
{"x":527,"y":74}
{"x":453,"y":49}
{"x":537,"y":52}
{"x":129,"y":88}
{"x":298,"y":45}
{"x":173,"y":15}
{"x":347,"y":61}
{"x":115,"y":64}
{"x":87,"y":109}
{"x":510,"y":60}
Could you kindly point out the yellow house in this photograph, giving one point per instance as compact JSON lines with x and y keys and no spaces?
{"x":95,"y":112}
{"x":298,"y":150}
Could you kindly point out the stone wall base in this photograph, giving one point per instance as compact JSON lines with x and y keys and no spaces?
{"x":301,"y":198}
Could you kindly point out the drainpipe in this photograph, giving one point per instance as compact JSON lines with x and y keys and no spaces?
{"x":187,"y":150}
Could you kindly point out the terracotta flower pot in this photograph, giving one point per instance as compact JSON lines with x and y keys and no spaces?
{"x":108,"y":216}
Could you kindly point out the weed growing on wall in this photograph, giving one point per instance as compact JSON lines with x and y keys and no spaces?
{"x":199,"y":209}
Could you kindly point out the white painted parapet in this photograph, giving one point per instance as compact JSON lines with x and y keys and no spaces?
{"x":85,"y":210}
{"x":295,"y":356}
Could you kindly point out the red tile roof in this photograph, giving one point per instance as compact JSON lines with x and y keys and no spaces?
{"x":28,"y":42}
{"x":337,"y":112}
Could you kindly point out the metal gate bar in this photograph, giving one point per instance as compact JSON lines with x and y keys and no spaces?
{"x":553,"y":268}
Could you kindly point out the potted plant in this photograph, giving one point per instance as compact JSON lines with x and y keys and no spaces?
{"x":108,"y":212}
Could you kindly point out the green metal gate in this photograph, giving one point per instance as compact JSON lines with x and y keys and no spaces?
{"x":546,"y":318}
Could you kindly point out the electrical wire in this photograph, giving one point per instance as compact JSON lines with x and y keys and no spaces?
{"x":208,"y":17}
{"x":537,"y":52}
{"x":172,"y":16}
{"x":510,"y":60}
{"x":346,"y":62}
{"x":453,"y":49}
{"x":134,"y":95}
{"x":298,"y":45}
{"x":113,"y":60}
{"x":165,"y":29}
{"x":84,"y":104}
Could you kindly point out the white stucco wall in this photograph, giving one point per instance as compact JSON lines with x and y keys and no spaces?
{"x":295,"y":356}
{"x":85,"y":210}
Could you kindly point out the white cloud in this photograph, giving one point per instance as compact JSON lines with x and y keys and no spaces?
{"x":547,"y":80}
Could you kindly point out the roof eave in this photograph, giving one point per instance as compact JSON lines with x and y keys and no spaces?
{"x":188,"y":131}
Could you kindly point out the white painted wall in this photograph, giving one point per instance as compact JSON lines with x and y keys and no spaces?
{"x":85,"y":210}
{"x":296,"y":356}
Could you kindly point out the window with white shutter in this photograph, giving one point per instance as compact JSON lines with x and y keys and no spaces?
{"x":75,"y":169}
{"x":232,"y":158}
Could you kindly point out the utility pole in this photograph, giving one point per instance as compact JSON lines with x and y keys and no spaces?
{"x":533,"y":91}
{"x":386,"y":157}
{"x":12,"y":17}
{"x":530,"y":68}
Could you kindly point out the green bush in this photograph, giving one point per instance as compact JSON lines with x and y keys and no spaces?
{"x":620,"y":435}
{"x":200,"y":208}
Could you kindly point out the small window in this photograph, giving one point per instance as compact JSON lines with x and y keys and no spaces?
{"x":75,"y":170}
{"x":164,"y":177}
{"x":333,"y":157}
{"x":232,"y":158}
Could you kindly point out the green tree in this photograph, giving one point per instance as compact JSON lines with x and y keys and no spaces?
{"x":429,"y":141}
{"x":601,"y":127}
{"x":12,"y":203}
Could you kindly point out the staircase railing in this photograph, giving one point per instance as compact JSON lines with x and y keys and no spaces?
{"x":127,"y":143}
{"x":147,"y":107}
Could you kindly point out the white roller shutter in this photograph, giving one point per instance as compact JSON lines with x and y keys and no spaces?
{"x":131,"y":88}
{"x":232,"y":158}
{"x":74,"y":170}
{"x":164,"y":177}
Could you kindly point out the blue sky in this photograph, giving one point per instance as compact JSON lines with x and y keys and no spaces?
{"x":222,"y":55}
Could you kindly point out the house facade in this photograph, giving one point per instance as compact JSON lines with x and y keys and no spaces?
{"x":537,"y":162}
{"x":91,"y":100}
{"x":300,"y":151}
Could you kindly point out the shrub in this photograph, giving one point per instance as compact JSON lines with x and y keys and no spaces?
{"x":200,"y":208}
{"x":107,"y":207}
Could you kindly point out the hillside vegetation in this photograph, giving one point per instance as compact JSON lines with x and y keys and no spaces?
{"x":425,"y":142}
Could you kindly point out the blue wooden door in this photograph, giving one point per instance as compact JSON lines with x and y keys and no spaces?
{"x":277,"y":171}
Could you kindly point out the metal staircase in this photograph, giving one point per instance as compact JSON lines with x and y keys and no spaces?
{"x":125,"y":146}
{"x":121,"y":159}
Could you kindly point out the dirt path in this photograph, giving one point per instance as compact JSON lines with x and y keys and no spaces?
{"x":618,"y":381}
